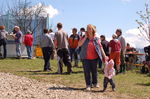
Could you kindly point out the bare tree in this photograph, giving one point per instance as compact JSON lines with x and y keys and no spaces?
{"x":24,"y":15}
{"x":144,"y":23}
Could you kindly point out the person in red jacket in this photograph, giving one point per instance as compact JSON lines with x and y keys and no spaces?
{"x":115,"y":49}
{"x":28,"y":41}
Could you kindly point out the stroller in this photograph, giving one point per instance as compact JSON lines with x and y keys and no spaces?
{"x":146,"y":67}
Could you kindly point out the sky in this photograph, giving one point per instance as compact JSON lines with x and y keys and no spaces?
{"x":106,"y":15}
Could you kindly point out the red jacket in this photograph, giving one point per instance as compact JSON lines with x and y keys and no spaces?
{"x":115,"y":45}
{"x":28,"y":40}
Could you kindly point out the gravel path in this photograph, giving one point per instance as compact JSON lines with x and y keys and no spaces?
{"x":15,"y":87}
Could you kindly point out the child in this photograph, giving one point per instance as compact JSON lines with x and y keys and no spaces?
{"x":109,"y":72}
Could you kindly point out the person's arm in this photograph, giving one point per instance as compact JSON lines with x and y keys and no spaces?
{"x":81,"y":41}
{"x":123,"y":44}
{"x":109,"y":50}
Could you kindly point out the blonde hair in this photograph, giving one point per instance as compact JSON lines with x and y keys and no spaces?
{"x":93,"y":28}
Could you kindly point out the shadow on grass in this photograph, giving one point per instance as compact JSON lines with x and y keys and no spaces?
{"x":141,"y":84}
{"x":65,"y":88}
{"x":41,"y":72}
{"x":75,"y":89}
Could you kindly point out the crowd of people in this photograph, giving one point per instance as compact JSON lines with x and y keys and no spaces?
{"x":86,"y":45}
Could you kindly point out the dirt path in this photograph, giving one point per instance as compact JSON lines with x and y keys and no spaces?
{"x":15,"y":87}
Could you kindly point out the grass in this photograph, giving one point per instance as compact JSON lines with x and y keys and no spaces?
{"x":131,"y":83}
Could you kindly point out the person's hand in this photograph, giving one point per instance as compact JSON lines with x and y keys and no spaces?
{"x":106,"y":58}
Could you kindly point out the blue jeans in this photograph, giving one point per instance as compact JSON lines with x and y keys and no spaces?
{"x":90,"y":71}
{"x":29,"y":51}
{"x":18,"y":49}
{"x":73,"y":52}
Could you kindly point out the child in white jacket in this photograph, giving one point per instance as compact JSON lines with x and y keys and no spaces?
{"x":109,"y":72}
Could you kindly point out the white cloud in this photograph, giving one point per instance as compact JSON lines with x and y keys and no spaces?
{"x":132,"y":37}
{"x":47,"y":10}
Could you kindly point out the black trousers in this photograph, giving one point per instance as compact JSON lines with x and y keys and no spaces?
{"x":90,"y":71}
{"x":47,"y":51}
{"x":3,"y":43}
{"x":65,"y":57}
{"x":106,"y":81}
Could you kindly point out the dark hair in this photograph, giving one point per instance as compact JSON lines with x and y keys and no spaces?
{"x":119,"y":30}
{"x":59,"y":25}
{"x":74,"y":29}
{"x":50,"y":30}
{"x":45,"y":31}
{"x":128,"y":44}
{"x":82,"y":29}
{"x":102,"y":36}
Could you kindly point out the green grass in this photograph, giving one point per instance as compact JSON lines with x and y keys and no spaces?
{"x":131,"y":83}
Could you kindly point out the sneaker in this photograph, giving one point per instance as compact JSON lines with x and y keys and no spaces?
{"x":88,"y":88}
{"x":95,"y":86}
{"x":113,"y":89}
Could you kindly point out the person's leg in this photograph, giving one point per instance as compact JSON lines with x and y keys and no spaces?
{"x":86,"y":67}
{"x":44,"y":57}
{"x":66,"y":60}
{"x":0,"y":51}
{"x":117,"y":60}
{"x":105,"y":83}
{"x":5,"y":49}
{"x":18,"y":50}
{"x":100,"y":63}
{"x":60,"y":61}
{"x":28,"y":51}
{"x":76,"y":58}
{"x":122,"y":65}
{"x":71,"y":54}
{"x":112,"y":84}
{"x":60,"y":65}
{"x":47,"y":59}
{"x":93,"y":68}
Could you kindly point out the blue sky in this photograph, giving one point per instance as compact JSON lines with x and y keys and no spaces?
{"x":106,"y":15}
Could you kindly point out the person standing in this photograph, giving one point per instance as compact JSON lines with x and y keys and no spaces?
{"x":81,"y":33}
{"x":91,"y":50}
{"x":18,"y":38}
{"x":3,"y":40}
{"x":61,"y":43}
{"x":105,"y":44}
{"x":47,"y":45}
{"x":105,"y":47}
{"x":123,"y":48}
{"x":73,"y":44}
{"x":28,"y":41}
{"x":115,"y":48}
{"x":109,"y":72}
{"x":52,"y":34}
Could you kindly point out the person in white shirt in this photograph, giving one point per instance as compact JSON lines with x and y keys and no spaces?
{"x":52,"y":34}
